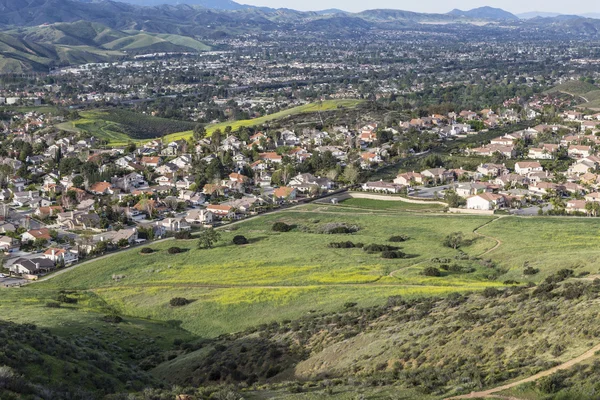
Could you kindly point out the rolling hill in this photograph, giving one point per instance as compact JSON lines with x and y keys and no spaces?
{"x":39,"y":48}
{"x":485,"y":13}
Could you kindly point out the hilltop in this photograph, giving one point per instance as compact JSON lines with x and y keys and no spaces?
{"x":486,"y":13}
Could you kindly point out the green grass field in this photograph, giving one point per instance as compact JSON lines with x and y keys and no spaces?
{"x":287,"y":275}
{"x":547,"y":244}
{"x":283,"y":274}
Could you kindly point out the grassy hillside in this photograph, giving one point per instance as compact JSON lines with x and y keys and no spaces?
{"x":38,"y":48}
{"x":327,"y":105}
{"x":238,"y":287}
{"x":118,"y":127}
{"x":68,"y":348}
{"x":312,"y":321}
{"x":422,"y":348}
{"x":574,"y":87}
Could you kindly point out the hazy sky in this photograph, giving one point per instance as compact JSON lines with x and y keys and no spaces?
{"x":436,"y":6}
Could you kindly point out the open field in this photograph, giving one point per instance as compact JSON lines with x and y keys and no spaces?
{"x":293,"y":272}
{"x":548,"y":244}
{"x":296,"y":273}
{"x":327,"y":105}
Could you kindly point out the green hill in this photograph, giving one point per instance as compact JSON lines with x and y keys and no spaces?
{"x":41,"y":47}
{"x":574,"y":87}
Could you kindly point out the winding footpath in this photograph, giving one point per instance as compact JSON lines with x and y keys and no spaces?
{"x":566,"y":365}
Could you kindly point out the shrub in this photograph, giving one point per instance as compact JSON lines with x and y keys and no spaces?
{"x":431,"y":271}
{"x":113,"y":319}
{"x":179,"y":301}
{"x":341,"y":245}
{"x":63,"y":298}
{"x":375,"y":248}
{"x":530,"y":271}
{"x":393,"y":254}
{"x":281,"y":227}
{"x":491,"y":292}
{"x":146,"y":250}
{"x":239,"y":239}
{"x":174,"y":250}
{"x":453,"y":240}
{"x":398,"y":238}
{"x":183,"y":235}
{"x":334,"y":228}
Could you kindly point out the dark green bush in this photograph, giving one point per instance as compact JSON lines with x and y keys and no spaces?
{"x":281,"y":227}
{"x":113,"y":319}
{"x":341,"y":245}
{"x":398,"y":238}
{"x":431,"y":271}
{"x":530,"y":271}
{"x":179,"y":301}
{"x":239,"y":240}
{"x":393,"y":254}
{"x":376,"y":248}
{"x":174,"y":250}
{"x":146,"y":250}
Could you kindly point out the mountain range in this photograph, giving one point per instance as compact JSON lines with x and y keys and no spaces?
{"x":37,"y":34}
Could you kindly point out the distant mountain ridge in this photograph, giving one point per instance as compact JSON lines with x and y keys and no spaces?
{"x":486,"y":13}
{"x":34,"y":40}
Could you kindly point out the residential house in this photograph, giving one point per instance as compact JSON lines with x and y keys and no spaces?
{"x":485,"y":201}
{"x":526,"y":167}
{"x":32,"y":235}
{"x":58,"y":255}
{"x":221,"y":211}
{"x":409,"y":179}
{"x":175,"y":224}
{"x":199,"y":216}
{"x":284,"y":193}
{"x":34,"y":266}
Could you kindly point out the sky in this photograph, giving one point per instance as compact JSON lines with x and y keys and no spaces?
{"x":436,"y":6}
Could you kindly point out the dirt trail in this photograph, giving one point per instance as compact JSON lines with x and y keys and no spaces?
{"x":498,"y":241}
{"x":566,"y":365}
{"x":498,"y":244}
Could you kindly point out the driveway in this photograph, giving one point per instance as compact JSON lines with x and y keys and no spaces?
{"x":531,"y":211}
{"x":8,"y":282}
{"x":429,"y":192}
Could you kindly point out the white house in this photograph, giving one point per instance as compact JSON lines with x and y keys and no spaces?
{"x":485,"y":201}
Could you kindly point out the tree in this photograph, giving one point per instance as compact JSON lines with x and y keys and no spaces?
{"x":199,"y":132}
{"x":454,"y":240}
{"x":351,"y":174}
{"x":78,"y":181}
{"x":207,"y":238}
